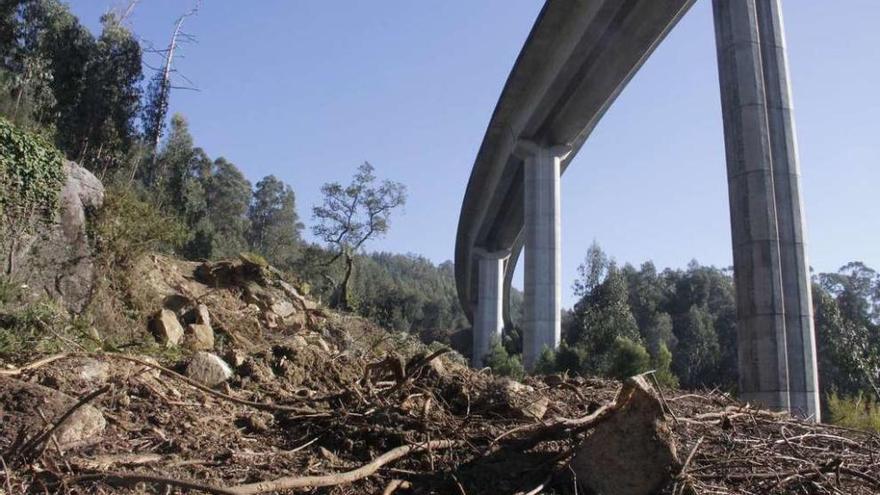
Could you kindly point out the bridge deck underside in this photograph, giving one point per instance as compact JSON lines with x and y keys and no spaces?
{"x":578,"y":57}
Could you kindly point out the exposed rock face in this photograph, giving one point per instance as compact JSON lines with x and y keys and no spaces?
{"x":167,"y":329}
{"x":22,"y":399}
{"x":56,"y":260}
{"x":208,"y":369}
{"x":632,"y":452}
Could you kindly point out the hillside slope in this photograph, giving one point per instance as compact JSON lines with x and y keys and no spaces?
{"x":289,"y":391}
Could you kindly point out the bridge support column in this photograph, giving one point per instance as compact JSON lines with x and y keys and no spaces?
{"x":777,"y":361}
{"x":489,"y":315}
{"x":542,"y":300}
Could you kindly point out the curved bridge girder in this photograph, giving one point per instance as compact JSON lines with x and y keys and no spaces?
{"x":578,"y":57}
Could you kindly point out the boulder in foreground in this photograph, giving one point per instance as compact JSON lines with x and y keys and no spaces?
{"x":632,"y":452}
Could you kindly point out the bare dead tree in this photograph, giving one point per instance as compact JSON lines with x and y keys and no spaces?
{"x":159,"y":91}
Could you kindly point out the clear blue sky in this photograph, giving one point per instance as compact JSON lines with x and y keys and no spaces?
{"x":307,"y":90}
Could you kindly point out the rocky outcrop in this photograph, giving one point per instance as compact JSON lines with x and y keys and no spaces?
{"x":240,"y":299}
{"x":56,"y":259}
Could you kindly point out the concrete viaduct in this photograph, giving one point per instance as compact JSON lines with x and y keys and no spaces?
{"x":578,"y":57}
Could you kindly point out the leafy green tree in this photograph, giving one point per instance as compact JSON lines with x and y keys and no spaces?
{"x":408,"y":293}
{"x":856,"y":287}
{"x":44,"y":59}
{"x":662,"y":364}
{"x":592,"y":271}
{"x":503,"y":363}
{"x":174,"y":165}
{"x":274,"y":224}
{"x":697,"y":355}
{"x":102,"y":132}
{"x":711,"y":291}
{"x":350,"y":216}
{"x":228,"y":197}
{"x":600,"y":317}
{"x":546,"y":363}
{"x":571,"y":358}
{"x":848,"y":343}
{"x":628,"y":358}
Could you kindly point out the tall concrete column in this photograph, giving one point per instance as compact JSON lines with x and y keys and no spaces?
{"x":542,"y":320}
{"x":489,"y":315}
{"x":775,"y":324}
{"x":800,"y":335}
{"x":761,"y":332}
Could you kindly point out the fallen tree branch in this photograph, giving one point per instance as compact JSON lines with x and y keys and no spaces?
{"x":345,"y":477}
{"x":394,"y":485}
{"x":280,"y":484}
{"x":34,"y":365}
{"x":127,"y":478}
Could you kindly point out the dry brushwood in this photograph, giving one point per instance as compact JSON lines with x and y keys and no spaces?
{"x":213,"y":441}
{"x":281,"y":484}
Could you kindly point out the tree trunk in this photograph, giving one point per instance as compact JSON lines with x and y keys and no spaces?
{"x":17,"y":103}
{"x":343,"y":301}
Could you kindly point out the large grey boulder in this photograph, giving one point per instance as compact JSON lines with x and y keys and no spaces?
{"x":56,"y":259}
{"x":631,"y":452}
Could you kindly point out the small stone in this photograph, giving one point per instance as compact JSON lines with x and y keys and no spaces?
{"x":148,"y":371}
{"x":514,"y":387}
{"x":295,"y":322}
{"x":208,"y":369}
{"x":166,"y":328}
{"x":235,"y":357}
{"x":632,"y":452}
{"x":93,"y":371}
{"x":85,"y":423}
{"x":536,"y":409}
{"x":257,"y":423}
{"x":523,"y":399}
{"x":282,"y":308}
{"x":438,"y":367}
{"x":298,"y":342}
{"x":318,"y":342}
{"x":271,"y":319}
{"x":199,"y":337}
{"x":202,"y":315}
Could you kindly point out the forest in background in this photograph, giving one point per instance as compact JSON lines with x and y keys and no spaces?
{"x":93,"y":97}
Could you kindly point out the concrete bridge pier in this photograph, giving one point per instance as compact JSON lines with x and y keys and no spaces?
{"x":777,"y":361}
{"x":542,"y":299}
{"x":489,"y":314}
